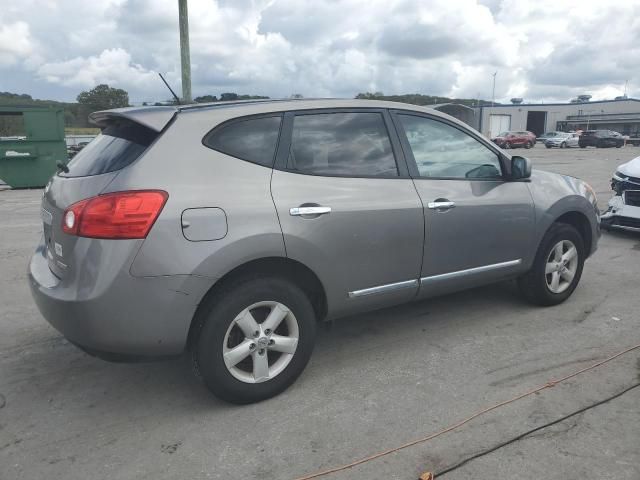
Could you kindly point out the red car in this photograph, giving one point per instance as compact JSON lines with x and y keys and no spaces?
{"x":515,"y":139}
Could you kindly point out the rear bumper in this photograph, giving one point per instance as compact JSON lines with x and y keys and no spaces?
{"x":119,"y":314}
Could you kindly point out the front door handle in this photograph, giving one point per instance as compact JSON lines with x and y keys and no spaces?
{"x":441,"y":205}
{"x":299,"y":211}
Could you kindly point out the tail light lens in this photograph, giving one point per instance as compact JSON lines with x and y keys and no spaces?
{"x":117,"y":215}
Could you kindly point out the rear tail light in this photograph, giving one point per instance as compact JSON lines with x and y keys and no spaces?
{"x":115,"y":215}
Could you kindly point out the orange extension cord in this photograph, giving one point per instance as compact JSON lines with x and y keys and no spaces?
{"x":549,"y":384}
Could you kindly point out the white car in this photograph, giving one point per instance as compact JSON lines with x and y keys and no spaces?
{"x":562,"y":140}
{"x":624,"y":207}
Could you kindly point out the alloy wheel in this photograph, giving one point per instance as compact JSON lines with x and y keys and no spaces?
{"x":260,"y":342}
{"x":561,"y":266}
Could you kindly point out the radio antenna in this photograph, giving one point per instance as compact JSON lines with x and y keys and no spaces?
{"x":170,"y":89}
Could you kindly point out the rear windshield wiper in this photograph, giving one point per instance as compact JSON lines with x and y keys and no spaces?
{"x":62,"y":167}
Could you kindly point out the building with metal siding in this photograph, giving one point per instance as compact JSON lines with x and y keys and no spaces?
{"x":621,"y":115}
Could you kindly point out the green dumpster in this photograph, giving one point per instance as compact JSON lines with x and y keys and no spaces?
{"x":31,"y":142}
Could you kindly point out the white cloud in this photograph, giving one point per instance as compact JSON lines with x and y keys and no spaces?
{"x":111,"y":66}
{"x":542,"y":50}
{"x":15,"y":43}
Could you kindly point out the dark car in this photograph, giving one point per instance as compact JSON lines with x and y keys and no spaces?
{"x":515,"y":139}
{"x":600,"y":139}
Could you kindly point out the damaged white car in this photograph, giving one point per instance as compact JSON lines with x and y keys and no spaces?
{"x":624,"y":207}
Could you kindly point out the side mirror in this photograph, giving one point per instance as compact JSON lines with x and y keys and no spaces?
{"x":520,"y":167}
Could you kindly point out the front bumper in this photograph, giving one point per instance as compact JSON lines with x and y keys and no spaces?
{"x":119,"y":314}
{"x":620,"y":216}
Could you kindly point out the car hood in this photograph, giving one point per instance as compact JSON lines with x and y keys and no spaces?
{"x":631,"y":168}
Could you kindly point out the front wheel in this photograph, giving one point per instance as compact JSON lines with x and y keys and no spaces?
{"x":557,"y":268}
{"x":255,"y":339}
{"x":563,"y":145}
{"x":548,"y":146}
{"x":528,"y":145}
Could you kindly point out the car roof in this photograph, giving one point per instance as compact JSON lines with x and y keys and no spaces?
{"x":156,"y":117}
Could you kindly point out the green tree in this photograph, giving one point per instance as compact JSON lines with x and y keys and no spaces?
{"x":206,"y":99}
{"x":103,"y":97}
{"x":228,"y":96}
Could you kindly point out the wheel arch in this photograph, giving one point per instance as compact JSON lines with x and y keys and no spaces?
{"x":580,"y":222}
{"x":283,"y":267}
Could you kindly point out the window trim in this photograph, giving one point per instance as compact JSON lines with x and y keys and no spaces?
{"x":284,"y":145}
{"x":244,"y":118}
{"x":413,"y":165}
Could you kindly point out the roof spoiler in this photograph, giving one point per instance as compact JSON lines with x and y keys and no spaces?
{"x":155,"y":118}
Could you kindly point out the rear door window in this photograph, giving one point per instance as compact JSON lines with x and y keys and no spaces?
{"x":252,"y":139}
{"x":117,"y":146}
{"x":354,"y":144}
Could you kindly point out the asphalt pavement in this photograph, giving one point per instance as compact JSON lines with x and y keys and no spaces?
{"x":375,"y":381}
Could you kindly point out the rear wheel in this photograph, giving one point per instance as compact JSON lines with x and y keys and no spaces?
{"x":548,"y":146}
{"x":528,"y":145}
{"x":563,"y":145}
{"x":557,"y":268}
{"x":255,"y":339}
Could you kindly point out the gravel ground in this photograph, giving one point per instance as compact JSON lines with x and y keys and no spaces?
{"x":375,"y":381}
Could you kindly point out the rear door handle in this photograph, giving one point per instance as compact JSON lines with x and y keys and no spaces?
{"x":441,"y":205}
{"x":299,"y":211}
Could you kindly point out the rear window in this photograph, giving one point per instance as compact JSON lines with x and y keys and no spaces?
{"x":117,"y":146}
{"x":253,"y":139}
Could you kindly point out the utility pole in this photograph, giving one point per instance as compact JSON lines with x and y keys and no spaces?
{"x":185,"y":57}
{"x":493,"y":95}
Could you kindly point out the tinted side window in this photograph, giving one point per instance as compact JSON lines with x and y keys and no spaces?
{"x":352,"y":144}
{"x":441,"y":150}
{"x":254,"y":139}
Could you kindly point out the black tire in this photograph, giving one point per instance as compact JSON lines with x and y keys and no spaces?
{"x":583,"y":146}
{"x":506,"y":145}
{"x":600,"y":144}
{"x":215,"y":321}
{"x":563,"y":145}
{"x":548,"y":146}
{"x":533,"y":284}
{"x":528,"y":145}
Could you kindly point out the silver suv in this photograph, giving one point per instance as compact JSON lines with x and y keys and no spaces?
{"x":230,"y":230}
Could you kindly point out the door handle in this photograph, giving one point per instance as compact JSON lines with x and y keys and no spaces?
{"x":299,"y":211}
{"x":441,"y":205}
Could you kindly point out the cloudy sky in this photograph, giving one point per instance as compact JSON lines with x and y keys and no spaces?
{"x":543,"y":50}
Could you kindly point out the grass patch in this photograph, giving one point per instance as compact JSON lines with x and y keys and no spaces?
{"x":81,"y":131}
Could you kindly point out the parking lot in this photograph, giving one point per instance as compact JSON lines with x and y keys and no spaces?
{"x":374,"y":382}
